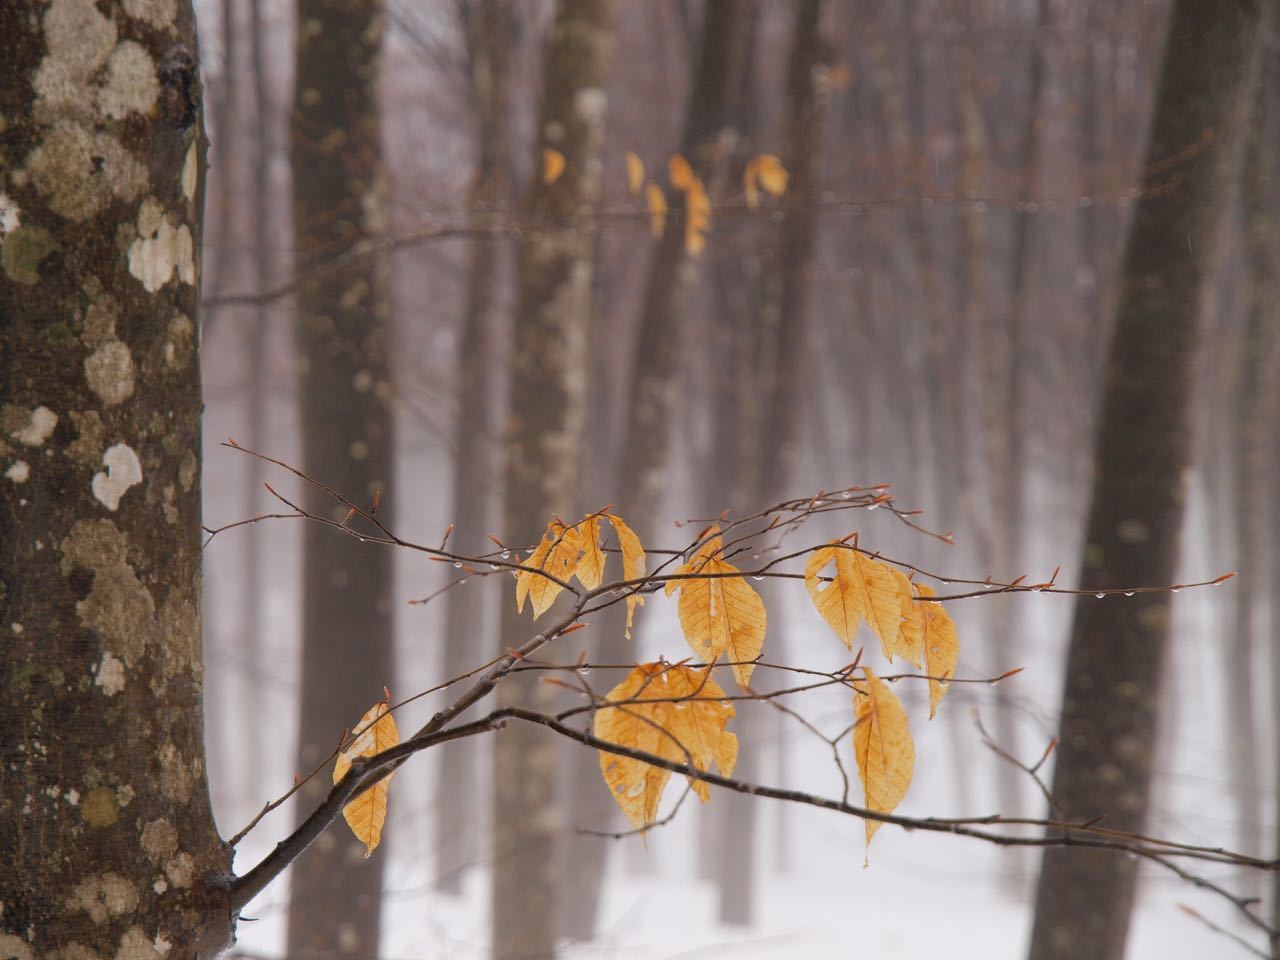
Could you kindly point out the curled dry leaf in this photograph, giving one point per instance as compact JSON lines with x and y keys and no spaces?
{"x":679,"y":171}
{"x":590,"y":568}
{"x":882,"y":746}
{"x":552,"y":165}
{"x":633,"y":563}
{"x":697,"y":212}
{"x":940,"y":646}
{"x":721,"y":615}
{"x":677,"y":713}
{"x":859,"y":589}
{"x":656,"y":201}
{"x":635,"y":173}
{"x":557,"y":553}
{"x":366,"y":814}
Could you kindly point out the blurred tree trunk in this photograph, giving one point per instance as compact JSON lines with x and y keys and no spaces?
{"x":1143,"y":448}
{"x":104,"y":786}
{"x":488,"y":29}
{"x":344,"y":383}
{"x":544,"y":427}
{"x":644,"y":455}
{"x":770,"y":445}
{"x":1255,"y":427}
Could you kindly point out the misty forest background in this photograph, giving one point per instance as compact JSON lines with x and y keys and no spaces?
{"x":928,"y":305}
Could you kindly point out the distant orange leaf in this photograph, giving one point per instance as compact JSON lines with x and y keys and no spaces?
{"x":635,"y":173}
{"x":656,"y":201}
{"x":552,"y":165}
{"x":679,"y":171}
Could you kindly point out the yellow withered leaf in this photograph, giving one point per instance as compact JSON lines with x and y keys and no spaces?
{"x":697,"y":212}
{"x":772,"y":174}
{"x":751,"y":182}
{"x":721,"y":615}
{"x":366,"y":814}
{"x":552,"y":165}
{"x":635,"y":173}
{"x":679,"y":171}
{"x":910,"y":639}
{"x":656,"y":201}
{"x":860,"y":589}
{"x":557,"y":553}
{"x":633,"y":563}
{"x":883,"y":747}
{"x":675,"y":713}
{"x":590,"y":568}
{"x":939,"y":645}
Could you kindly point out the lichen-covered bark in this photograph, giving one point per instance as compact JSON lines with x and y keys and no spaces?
{"x":1104,"y":754}
{"x":543,"y":430}
{"x":109,"y":844}
{"x":490,"y":34}
{"x":344,"y":384}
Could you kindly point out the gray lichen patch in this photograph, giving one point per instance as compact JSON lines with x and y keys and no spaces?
{"x":131,"y":85}
{"x":159,"y":840}
{"x":80,"y":170}
{"x":84,"y":449}
{"x":161,"y":248}
{"x":187,"y":471}
{"x":124,"y":471}
{"x":175,"y":777}
{"x":31,"y":428}
{"x":23,"y":251}
{"x":103,"y":897}
{"x":78,"y":39}
{"x":179,"y":345}
{"x":100,"y":808}
{"x":110,"y":373}
{"x":15,"y":948}
{"x":119,"y":609}
{"x":159,"y":13}
{"x":180,"y":870}
{"x":180,"y":635}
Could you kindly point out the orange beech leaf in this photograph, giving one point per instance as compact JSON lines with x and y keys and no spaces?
{"x":860,"y":589}
{"x":940,"y":646}
{"x":366,"y":814}
{"x":656,"y":201}
{"x":552,"y":165}
{"x":633,"y":563}
{"x":635,"y":173}
{"x":590,"y":568}
{"x":772,"y":174}
{"x":910,"y":641}
{"x":679,"y":171}
{"x":557,"y":553}
{"x":697,"y":211}
{"x":720,"y":615}
{"x":883,"y":747}
{"x":686,"y":723}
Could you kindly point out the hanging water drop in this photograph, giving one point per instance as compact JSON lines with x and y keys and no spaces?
{"x":1099,"y":595}
{"x":457,"y":564}
{"x":584,"y":670}
{"x":506,"y":554}
{"x":1128,"y":593}
{"x":757,"y":576}
{"x":493,"y":566}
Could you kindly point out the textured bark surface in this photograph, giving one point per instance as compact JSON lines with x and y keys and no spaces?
{"x":644,"y":454}
{"x":1117,"y":648}
{"x":344,"y":395}
{"x":109,"y":844}
{"x":543,"y":431}
{"x":490,"y":44}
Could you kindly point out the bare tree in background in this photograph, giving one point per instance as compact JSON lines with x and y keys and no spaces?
{"x":544,"y":426}
{"x":488,"y":27}
{"x":644,"y":454}
{"x":344,"y":382}
{"x":1117,"y":649}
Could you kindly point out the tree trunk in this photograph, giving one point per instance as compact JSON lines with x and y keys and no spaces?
{"x":1255,"y":429}
{"x":645,"y":452}
{"x":489,"y":41}
{"x":1143,"y":448}
{"x":105,"y":823}
{"x":782,"y":330}
{"x":344,"y":387}
{"x":543,"y":429}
